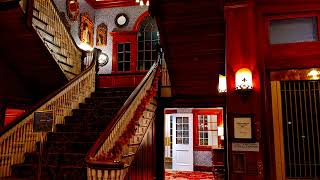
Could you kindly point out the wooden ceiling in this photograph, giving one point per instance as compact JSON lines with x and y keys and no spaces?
{"x":193,"y":36}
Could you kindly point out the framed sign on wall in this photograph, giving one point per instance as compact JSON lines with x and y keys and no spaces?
{"x":243,"y":128}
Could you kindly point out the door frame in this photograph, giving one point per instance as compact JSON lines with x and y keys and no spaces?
{"x":278,"y":131}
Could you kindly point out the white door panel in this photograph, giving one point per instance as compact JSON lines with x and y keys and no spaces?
{"x":182,"y":142}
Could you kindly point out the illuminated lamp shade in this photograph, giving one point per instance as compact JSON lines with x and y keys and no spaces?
{"x":222,"y":87}
{"x":244,"y":79}
{"x":314,"y":74}
{"x":220,"y":132}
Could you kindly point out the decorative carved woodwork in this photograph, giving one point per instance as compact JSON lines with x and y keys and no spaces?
{"x":98,"y":4}
{"x":72,"y":9}
{"x":86,"y":29}
{"x":101,"y":39}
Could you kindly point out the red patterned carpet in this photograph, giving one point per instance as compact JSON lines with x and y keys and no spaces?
{"x":183,"y":175}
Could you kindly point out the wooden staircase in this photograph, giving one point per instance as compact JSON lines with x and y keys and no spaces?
{"x":66,"y":147}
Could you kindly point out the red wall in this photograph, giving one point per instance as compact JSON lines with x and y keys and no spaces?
{"x":120,"y":80}
{"x":241,"y":53}
{"x":248,"y":47}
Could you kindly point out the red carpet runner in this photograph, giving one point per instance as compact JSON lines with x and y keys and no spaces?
{"x":183,"y":175}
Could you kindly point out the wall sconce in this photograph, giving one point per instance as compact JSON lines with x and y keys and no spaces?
{"x":220,"y":131}
{"x":314,"y":74}
{"x":103,"y":59}
{"x":222,"y":87}
{"x":244,"y":80}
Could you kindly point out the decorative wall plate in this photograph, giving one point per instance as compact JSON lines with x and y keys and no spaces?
{"x":72,"y":9}
{"x":101,"y":39}
{"x":121,"y":20}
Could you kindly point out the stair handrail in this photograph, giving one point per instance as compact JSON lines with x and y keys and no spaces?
{"x":19,"y":138}
{"x":64,"y":26}
{"x":109,"y":136}
{"x":62,"y":37}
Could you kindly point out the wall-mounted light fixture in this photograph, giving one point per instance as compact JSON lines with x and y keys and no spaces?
{"x":220,"y":132}
{"x":314,"y":74}
{"x":244,"y":79}
{"x":103,"y":59}
{"x":222,"y":87}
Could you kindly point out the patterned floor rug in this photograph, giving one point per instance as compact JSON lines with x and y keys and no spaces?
{"x":184,"y":175}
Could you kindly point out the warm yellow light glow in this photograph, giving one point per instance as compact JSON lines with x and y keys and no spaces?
{"x":147,"y":3}
{"x":222,"y":84}
{"x":244,"y":79}
{"x":220,"y":131}
{"x":314,"y":74}
{"x":85,"y":47}
{"x":137,"y":1}
{"x":141,"y":3}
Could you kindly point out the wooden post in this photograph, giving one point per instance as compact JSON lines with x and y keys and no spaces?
{"x":3,"y":107}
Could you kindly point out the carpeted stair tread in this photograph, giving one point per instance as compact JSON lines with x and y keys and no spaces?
{"x":82,"y":119}
{"x":77,"y":128}
{"x":73,"y":136}
{"x":66,"y":148}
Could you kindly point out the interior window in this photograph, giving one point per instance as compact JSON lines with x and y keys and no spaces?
{"x":293,"y":30}
{"x":208,"y":130}
{"x":124,"y":57}
{"x":148,"y":39}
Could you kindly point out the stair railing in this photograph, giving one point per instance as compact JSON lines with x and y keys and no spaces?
{"x":45,"y":18}
{"x":109,"y":158}
{"x":19,"y":137}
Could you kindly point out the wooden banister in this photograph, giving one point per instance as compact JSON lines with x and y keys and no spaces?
{"x":19,"y":138}
{"x":44,"y":17}
{"x":46,"y":99}
{"x":116,"y":119}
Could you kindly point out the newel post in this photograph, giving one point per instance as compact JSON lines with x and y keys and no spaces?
{"x":3,"y":107}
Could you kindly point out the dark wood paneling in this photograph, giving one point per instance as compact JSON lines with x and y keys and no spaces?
{"x":25,"y":61}
{"x":193,"y":37}
{"x":143,"y":166}
{"x":119,"y":80}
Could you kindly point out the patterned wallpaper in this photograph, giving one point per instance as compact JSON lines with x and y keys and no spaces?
{"x":84,"y":7}
{"x":99,"y":16}
{"x":107,"y":16}
{"x":202,"y":158}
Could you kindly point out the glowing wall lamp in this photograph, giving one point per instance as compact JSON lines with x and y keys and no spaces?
{"x":244,"y":80}
{"x":314,"y":74}
{"x":220,"y":132}
{"x":222,"y":87}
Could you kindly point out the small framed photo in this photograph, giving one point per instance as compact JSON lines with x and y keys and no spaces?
{"x":242,"y":127}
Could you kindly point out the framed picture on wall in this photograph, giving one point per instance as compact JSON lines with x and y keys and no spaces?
{"x":86,"y":29}
{"x":101,"y":39}
{"x":242,"y":127}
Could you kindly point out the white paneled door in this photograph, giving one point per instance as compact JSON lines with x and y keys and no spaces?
{"x":182,"y":142}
